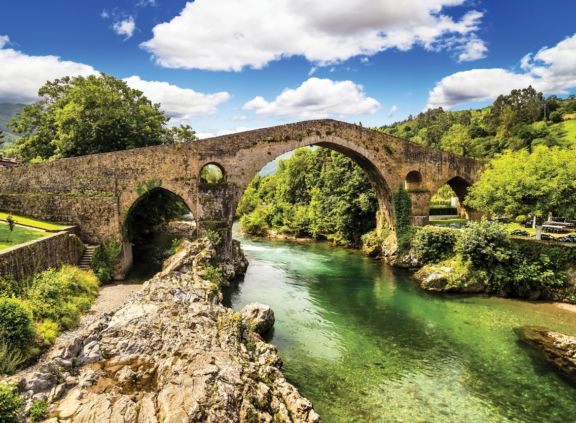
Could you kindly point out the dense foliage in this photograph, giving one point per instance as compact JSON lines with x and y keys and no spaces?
{"x":11,"y":404}
{"x":484,"y":255}
{"x":431,"y":244}
{"x":317,"y":193}
{"x":528,"y":183}
{"x":105,"y":259}
{"x":521,"y":119}
{"x":33,"y":311}
{"x":87,"y":115}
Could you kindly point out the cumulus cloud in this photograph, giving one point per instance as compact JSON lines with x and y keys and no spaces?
{"x":229,"y":35}
{"x":475,"y":49}
{"x":22,"y":75}
{"x":316,"y":98}
{"x":551,"y":70}
{"x":125,"y":27}
{"x":176,"y":102}
{"x":219,"y":132}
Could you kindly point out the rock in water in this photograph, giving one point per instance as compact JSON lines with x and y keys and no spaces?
{"x":558,"y":349}
{"x":259,"y":317}
{"x":171,"y":353}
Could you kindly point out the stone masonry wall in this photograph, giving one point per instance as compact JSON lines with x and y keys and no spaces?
{"x":36,"y":256}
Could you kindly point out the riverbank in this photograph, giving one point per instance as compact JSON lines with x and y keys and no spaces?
{"x":172,"y":352}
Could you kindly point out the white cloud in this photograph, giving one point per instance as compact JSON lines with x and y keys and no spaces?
{"x":551,"y":70}
{"x":316,"y":98}
{"x":210,"y":134}
{"x":22,"y":75}
{"x":232,"y":34}
{"x":125,"y":27}
{"x":392,"y":110}
{"x":475,"y":49}
{"x":176,"y":102}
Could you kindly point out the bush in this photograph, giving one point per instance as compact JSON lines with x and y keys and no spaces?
{"x":47,"y":332}
{"x":61,"y":295}
{"x":38,"y":411}
{"x":10,"y":359}
{"x":432,"y":245}
{"x":484,"y":244}
{"x":11,"y":404}
{"x":16,"y":324}
{"x":254,"y":223}
{"x":105,"y":259}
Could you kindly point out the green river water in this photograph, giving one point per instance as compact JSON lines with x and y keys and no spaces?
{"x":364,"y":344}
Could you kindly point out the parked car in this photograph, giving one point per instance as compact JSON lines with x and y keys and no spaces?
{"x":568,"y":238}
{"x":546,"y":237}
{"x":519,"y":232}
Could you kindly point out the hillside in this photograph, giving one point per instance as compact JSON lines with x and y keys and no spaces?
{"x":7,"y":113}
{"x":522,"y":119}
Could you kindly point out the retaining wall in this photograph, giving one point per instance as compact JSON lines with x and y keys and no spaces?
{"x":36,"y":256}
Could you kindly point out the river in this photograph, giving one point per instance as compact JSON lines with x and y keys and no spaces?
{"x":365,"y":344}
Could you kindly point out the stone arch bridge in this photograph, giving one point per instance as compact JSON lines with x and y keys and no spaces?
{"x":97,"y":192}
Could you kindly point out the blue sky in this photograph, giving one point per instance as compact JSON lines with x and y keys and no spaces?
{"x":227,"y":65}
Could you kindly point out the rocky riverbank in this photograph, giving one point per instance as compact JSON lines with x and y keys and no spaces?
{"x":171,"y":353}
{"x":558,"y":349}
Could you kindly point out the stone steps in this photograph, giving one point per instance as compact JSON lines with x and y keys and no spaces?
{"x":86,"y":259}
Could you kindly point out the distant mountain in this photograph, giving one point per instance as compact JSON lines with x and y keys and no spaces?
{"x":7,"y":113}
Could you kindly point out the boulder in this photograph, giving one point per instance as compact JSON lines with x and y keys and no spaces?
{"x":556,"y":348}
{"x":259,"y":317}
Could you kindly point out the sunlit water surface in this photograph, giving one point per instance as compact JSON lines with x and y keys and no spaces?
{"x":364,"y":344}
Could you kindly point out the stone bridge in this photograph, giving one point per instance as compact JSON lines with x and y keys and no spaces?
{"x":97,"y":192}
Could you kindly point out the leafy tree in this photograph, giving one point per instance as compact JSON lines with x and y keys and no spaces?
{"x":531,"y":183}
{"x":87,"y":115}
{"x":11,"y":225}
{"x":183,"y":133}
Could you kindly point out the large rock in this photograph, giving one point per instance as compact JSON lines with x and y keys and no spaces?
{"x":172,"y":353}
{"x":259,"y":317}
{"x":557,"y":349}
{"x":444,"y":279}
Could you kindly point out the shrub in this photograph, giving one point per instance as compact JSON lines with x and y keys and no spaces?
{"x":61,"y":295}
{"x":372,"y":243}
{"x":16,"y":324}
{"x":11,"y":404}
{"x":10,"y":288}
{"x":105,"y":259}
{"x":10,"y":358}
{"x":484,"y":244}
{"x":403,"y":216}
{"x":47,"y":332}
{"x":254,"y":223}
{"x":38,"y":411}
{"x":432,"y":245}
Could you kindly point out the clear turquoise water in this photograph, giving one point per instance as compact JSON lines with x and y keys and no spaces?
{"x":364,"y":344}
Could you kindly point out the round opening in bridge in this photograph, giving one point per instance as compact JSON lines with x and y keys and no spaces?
{"x":155,"y":224}
{"x":212,"y":173}
{"x":446,"y":205}
{"x":413,"y":180}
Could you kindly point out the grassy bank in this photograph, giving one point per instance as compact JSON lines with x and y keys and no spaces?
{"x":19,"y":235}
{"x":35,"y":310}
{"x":34,"y":223}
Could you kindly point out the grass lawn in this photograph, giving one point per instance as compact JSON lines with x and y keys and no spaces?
{"x":19,"y":235}
{"x":32,"y":222}
{"x":446,"y":222}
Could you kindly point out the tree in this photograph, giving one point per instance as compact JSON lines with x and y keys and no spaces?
{"x":183,"y":133}
{"x":528,"y":183}
{"x":11,"y":225}
{"x":87,"y":115}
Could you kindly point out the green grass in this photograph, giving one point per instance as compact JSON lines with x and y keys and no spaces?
{"x":19,"y":235}
{"x":446,"y":222}
{"x":570,"y":127}
{"x":33,"y":222}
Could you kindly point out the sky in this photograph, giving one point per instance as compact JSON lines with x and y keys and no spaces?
{"x":230,"y":65}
